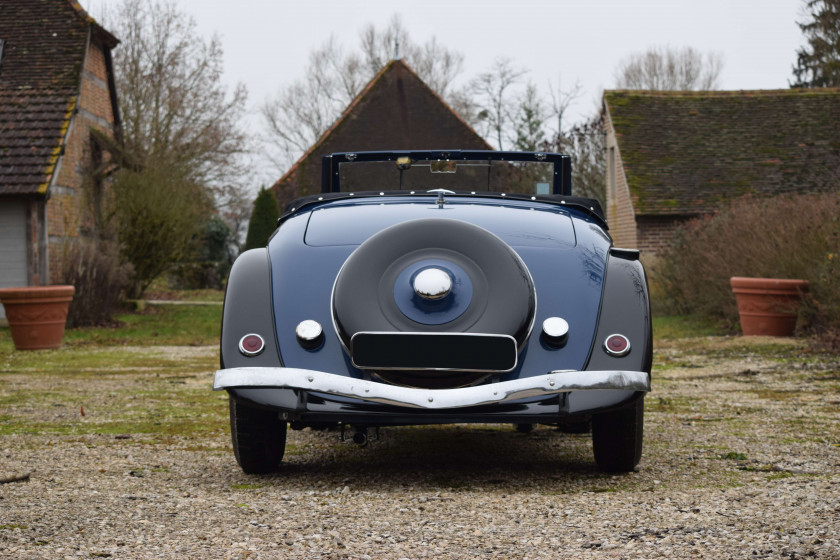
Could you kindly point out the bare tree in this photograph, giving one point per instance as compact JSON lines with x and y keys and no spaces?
{"x":378,"y":46}
{"x":435,"y":64}
{"x":302,"y":111}
{"x":174,"y":107}
{"x":491,"y":93}
{"x":585,"y":143}
{"x":462,"y":102}
{"x":498,"y":103}
{"x":670,"y":69}
{"x":529,"y":121}
{"x":561,"y":100}
{"x":184,"y":140}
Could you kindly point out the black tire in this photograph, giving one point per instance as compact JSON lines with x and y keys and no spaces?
{"x":259,"y":438}
{"x":617,"y":438}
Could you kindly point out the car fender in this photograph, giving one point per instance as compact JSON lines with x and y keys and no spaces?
{"x":248,"y":310}
{"x":625,"y":310}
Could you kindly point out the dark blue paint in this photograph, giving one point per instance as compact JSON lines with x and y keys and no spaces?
{"x":519,"y":224}
{"x":567,"y":264}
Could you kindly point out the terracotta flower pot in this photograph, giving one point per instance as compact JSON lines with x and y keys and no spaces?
{"x":768,"y":306}
{"x":37,"y":314}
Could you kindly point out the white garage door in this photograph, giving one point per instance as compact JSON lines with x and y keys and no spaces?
{"x":12,"y":246}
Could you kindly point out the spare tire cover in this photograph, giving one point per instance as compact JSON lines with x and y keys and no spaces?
{"x":492,"y":290}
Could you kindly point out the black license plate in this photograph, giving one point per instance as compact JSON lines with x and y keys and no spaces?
{"x":434,"y":351}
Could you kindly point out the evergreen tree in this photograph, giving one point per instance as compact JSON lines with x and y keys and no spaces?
{"x":818,"y":63}
{"x":263,"y":220}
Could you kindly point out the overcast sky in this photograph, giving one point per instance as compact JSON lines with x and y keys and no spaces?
{"x":267,"y":42}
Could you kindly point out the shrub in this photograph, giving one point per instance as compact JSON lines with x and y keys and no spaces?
{"x":263,"y":220}
{"x":212,"y":261}
{"x":206,"y":275}
{"x":100,"y":281}
{"x":791,"y":236}
{"x":159,"y":212}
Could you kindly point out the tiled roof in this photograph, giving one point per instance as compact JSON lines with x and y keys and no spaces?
{"x":395,"y":111}
{"x":40,"y":72}
{"x":685,"y":152}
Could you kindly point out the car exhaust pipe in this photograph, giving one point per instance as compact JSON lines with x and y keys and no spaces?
{"x":360,"y":437}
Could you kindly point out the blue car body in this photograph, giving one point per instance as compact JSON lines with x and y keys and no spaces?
{"x":576,"y":278}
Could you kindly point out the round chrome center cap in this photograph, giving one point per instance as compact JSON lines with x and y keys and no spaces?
{"x":432,"y":284}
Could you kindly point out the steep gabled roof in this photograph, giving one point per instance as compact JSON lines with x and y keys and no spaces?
{"x":685,"y":152}
{"x":45,"y":42}
{"x":395,"y":111}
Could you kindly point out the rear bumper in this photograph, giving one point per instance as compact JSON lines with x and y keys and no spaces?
{"x":552,"y":383}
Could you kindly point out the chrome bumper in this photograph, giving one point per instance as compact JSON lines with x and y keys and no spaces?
{"x":552,"y":383}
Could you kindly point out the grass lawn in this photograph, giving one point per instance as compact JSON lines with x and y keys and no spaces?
{"x":150,"y":375}
{"x":200,"y":325}
{"x":156,"y":325}
{"x":683,"y":326}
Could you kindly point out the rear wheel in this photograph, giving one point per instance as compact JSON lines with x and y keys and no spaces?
{"x":617,"y":438}
{"x":259,"y":438}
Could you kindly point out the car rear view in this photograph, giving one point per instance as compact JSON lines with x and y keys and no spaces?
{"x":437,"y":287}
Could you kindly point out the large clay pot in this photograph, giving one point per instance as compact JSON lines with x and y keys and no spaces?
{"x":768,"y":306}
{"x":37,"y":314}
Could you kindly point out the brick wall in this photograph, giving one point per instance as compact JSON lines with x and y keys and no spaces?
{"x":67,"y":209}
{"x":620,"y":215}
{"x":655,"y":232}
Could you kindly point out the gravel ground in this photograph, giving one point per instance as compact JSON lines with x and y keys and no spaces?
{"x":741,"y":460}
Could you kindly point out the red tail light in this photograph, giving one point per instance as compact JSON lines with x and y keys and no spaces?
{"x":251,"y":344}
{"x":617,"y":345}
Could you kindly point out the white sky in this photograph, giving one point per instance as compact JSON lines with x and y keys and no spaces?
{"x":267,"y":42}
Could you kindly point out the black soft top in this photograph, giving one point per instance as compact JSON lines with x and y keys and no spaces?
{"x":588,"y":205}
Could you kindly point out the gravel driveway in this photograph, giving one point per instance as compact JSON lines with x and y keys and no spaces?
{"x":127,"y":456}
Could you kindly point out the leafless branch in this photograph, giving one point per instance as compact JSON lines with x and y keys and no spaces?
{"x":670,"y":69}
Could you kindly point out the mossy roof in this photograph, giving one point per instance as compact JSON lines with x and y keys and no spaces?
{"x":685,"y":152}
{"x":44,"y":48}
{"x":395,"y":111}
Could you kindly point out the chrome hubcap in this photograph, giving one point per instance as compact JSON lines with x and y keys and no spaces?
{"x":432,"y":284}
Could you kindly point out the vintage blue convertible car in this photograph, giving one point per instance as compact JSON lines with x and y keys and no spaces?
{"x":437,"y":287}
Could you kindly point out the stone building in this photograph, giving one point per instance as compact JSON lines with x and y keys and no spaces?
{"x":56,"y":86}
{"x":673,"y":156}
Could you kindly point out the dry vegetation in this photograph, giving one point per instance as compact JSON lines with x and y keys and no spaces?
{"x":781,"y":237}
